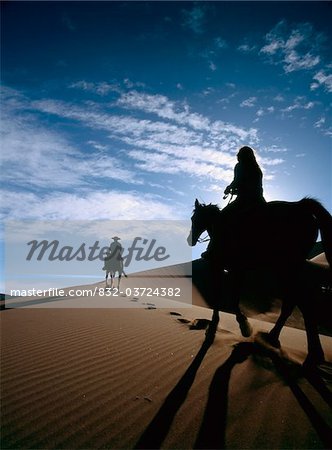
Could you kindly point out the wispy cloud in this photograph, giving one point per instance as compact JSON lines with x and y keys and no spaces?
{"x":102,"y":88}
{"x":247,"y":48}
{"x":194,"y":18}
{"x":36,"y":156}
{"x":181,"y":114}
{"x":86,"y":206}
{"x":249,"y":102}
{"x":295,"y":49}
{"x":320,"y":122}
{"x":279,"y":98}
{"x":212,"y":66}
{"x":298,"y":104}
{"x":274,"y":149}
{"x":220,"y":43}
{"x":133,"y":84}
{"x":153,"y":134}
{"x":165,"y":163}
{"x":322,"y":79}
{"x":211,"y":53}
{"x":323,"y":126}
{"x":164,"y":108}
{"x":68,"y":22}
{"x":194,"y":141}
{"x":263,"y":111}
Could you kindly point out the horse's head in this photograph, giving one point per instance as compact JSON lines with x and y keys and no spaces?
{"x":201,"y":221}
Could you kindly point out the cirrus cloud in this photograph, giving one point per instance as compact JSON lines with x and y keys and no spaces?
{"x":294,"y":48}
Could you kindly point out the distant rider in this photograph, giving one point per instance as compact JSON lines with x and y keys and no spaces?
{"x":115,"y":249}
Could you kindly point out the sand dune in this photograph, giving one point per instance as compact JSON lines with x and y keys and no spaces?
{"x":133,"y":372}
{"x":87,"y":378}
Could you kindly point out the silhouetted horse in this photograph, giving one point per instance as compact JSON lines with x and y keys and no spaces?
{"x":113,"y":265}
{"x":276,"y":236}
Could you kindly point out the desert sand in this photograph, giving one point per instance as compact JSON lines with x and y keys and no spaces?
{"x":126,"y":372}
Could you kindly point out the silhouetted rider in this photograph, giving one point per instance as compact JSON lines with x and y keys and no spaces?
{"x":247,"y":184}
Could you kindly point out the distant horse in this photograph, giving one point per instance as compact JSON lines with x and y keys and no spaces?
{"x":276,"y":236}
{"x":113,"y":265}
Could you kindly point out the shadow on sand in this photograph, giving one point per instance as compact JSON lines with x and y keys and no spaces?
{"x":157,"y":430}
{"x":212,"y":432}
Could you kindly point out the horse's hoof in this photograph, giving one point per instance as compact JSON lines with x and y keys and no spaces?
{"x":273,"y":341}
{"x":245,"y":327}
{"x":264,"y":341}
{"x":312,"y":361}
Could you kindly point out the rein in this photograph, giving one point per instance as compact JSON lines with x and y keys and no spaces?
{"x":206,"y":239}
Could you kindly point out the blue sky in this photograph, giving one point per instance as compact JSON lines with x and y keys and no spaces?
{"x":130,"y":110}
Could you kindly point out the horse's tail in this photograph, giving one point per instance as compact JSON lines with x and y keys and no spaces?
{"x":324,"y":220}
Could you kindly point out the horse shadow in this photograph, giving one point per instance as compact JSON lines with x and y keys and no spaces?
{"x":157,"y":430}
{"x":212,"y":433}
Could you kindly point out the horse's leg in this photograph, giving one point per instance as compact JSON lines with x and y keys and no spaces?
{"x":106,"y":277}
{"x":315,"y":351}
{"x":212,"y":328}
{"x":215,"y":271}
{"x":119,"y":279}
{"x":215,"y":319}
{"x":289,"y":283}
{"x":236,"y":281}
{"x":244,"y":324}
{"x":286,"y":310}
{"x":112,"y":279}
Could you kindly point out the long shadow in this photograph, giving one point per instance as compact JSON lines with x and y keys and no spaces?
{"x":158,"y":428}
{"x":314,"y":377}
{"x":323,"y":430}
{"x":213,"y":429}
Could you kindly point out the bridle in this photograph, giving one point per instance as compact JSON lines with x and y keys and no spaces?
{"x":207,"y":238}
{"x":230,"y":199}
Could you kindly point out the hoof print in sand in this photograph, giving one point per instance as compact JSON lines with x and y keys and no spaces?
{"x":196,"y":324}
{"x":199,"y":324}
{"x":182,"y":320}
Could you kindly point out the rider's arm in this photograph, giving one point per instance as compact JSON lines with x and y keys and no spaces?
{"x":234,"y":184}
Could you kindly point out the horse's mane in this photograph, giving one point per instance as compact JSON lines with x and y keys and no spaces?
{"x":210,"y":206}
